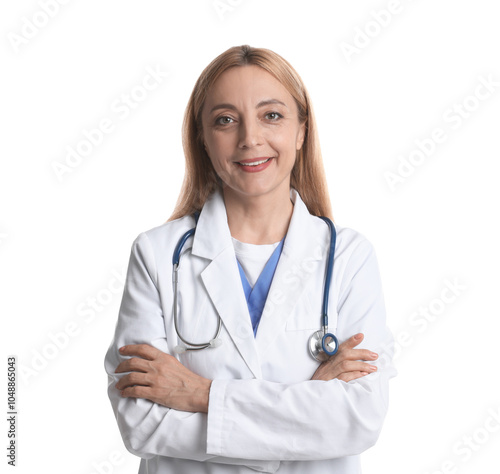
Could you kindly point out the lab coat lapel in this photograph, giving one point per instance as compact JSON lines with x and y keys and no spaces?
{"x":306,"y":244}
{"x":221,"y":278}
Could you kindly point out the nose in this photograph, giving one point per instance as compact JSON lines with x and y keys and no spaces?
{"x":250,"y":134}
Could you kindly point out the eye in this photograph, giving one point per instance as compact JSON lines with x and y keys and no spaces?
{"x":223,"y":120}
{"x":274,"y":116}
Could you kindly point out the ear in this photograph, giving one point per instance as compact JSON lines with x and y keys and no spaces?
{"x":300,"y":136}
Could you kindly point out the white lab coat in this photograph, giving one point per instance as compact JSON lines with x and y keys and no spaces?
{"x":265,"y":414}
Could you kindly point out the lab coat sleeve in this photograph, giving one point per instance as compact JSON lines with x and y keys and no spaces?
{"x":149,"y":429}
{"x":313,"y":420}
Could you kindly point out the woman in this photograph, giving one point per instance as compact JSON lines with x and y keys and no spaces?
{"x":257,"y":400}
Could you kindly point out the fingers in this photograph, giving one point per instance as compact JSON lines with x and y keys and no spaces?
{"x":348,"y":376}
{"x":353,"y":341}
{"x":344,"y":370}
{"x":133,"y":364}
{"x":359,"y":354}
{"x":142,"y":350}
{"x":137,"y":391}
{"x":355,"y":366}
{"x":132,"y":379}
{"x":347,"y":349}
{"x":348,"y":363}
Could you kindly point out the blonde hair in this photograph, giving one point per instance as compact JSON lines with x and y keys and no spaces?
{"x":200,"y":180}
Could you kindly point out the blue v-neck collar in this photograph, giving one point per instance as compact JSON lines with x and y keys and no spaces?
{"x":256,"y":296}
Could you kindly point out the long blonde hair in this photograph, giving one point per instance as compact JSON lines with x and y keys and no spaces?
{"x":200,"y":180}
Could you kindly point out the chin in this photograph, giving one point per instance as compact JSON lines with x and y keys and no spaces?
{"x":256,"y":189}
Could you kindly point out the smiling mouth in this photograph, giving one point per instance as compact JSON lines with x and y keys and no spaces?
{"x":253,"y":163}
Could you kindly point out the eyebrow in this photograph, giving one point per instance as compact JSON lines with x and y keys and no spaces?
{"x":262,"y":103}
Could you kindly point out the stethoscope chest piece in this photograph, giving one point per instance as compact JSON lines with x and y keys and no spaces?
{"x":322,"y":346}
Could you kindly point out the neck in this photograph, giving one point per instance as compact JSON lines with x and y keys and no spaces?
{"x":262,"y":219}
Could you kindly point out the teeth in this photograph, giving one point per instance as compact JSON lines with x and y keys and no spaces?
{"x":255,"y":163}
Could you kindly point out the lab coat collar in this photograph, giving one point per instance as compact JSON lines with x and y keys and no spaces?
{"x":213,"y":235}
{"x":305,"y":245}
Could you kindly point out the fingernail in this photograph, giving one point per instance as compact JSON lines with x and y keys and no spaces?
{"x":364,"y":373}
{"x":373,"y":355}
{"x":372,"y":367}
{"x":358,"y":336}
{"x":122,"y":348}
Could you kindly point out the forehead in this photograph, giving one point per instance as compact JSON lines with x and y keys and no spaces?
{"x":246,"y":85}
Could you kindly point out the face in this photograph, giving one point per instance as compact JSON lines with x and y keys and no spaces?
{"x":251,"y":131}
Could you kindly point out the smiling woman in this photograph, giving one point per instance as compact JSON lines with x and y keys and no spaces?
{"x":244,"y":134}
{"x":250,"y":227}
{"x":278,"y":96}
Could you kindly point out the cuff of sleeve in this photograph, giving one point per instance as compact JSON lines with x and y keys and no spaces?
{"x":215,"y":417}
{"x":218,"y":437}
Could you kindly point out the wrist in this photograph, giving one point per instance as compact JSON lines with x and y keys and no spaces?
{"x":203,"y":394}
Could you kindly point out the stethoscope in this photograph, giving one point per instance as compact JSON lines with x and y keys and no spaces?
{"x":322,"y":344}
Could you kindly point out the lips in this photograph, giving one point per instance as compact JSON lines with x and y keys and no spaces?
{"x":254,"y":161}
{"x":253,"y":165}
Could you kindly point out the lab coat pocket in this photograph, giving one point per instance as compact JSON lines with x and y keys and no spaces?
{"x":195,"y":320}
{"x":309,"y":317}
{"x":304,"y":316}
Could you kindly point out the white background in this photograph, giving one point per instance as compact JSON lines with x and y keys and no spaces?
{"x":63,"y":241}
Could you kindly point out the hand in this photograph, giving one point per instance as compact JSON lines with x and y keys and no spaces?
{"x":161,"y":378}
{"x":347,"y":363}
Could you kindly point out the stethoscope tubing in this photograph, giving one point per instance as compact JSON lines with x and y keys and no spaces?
{"x":175,"y":278}
{"x":194,"y":346}
{"x":323,"y":345}
{"x":329,"y":269}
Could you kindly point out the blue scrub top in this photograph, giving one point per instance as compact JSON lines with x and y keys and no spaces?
{"x":256,"y":296}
